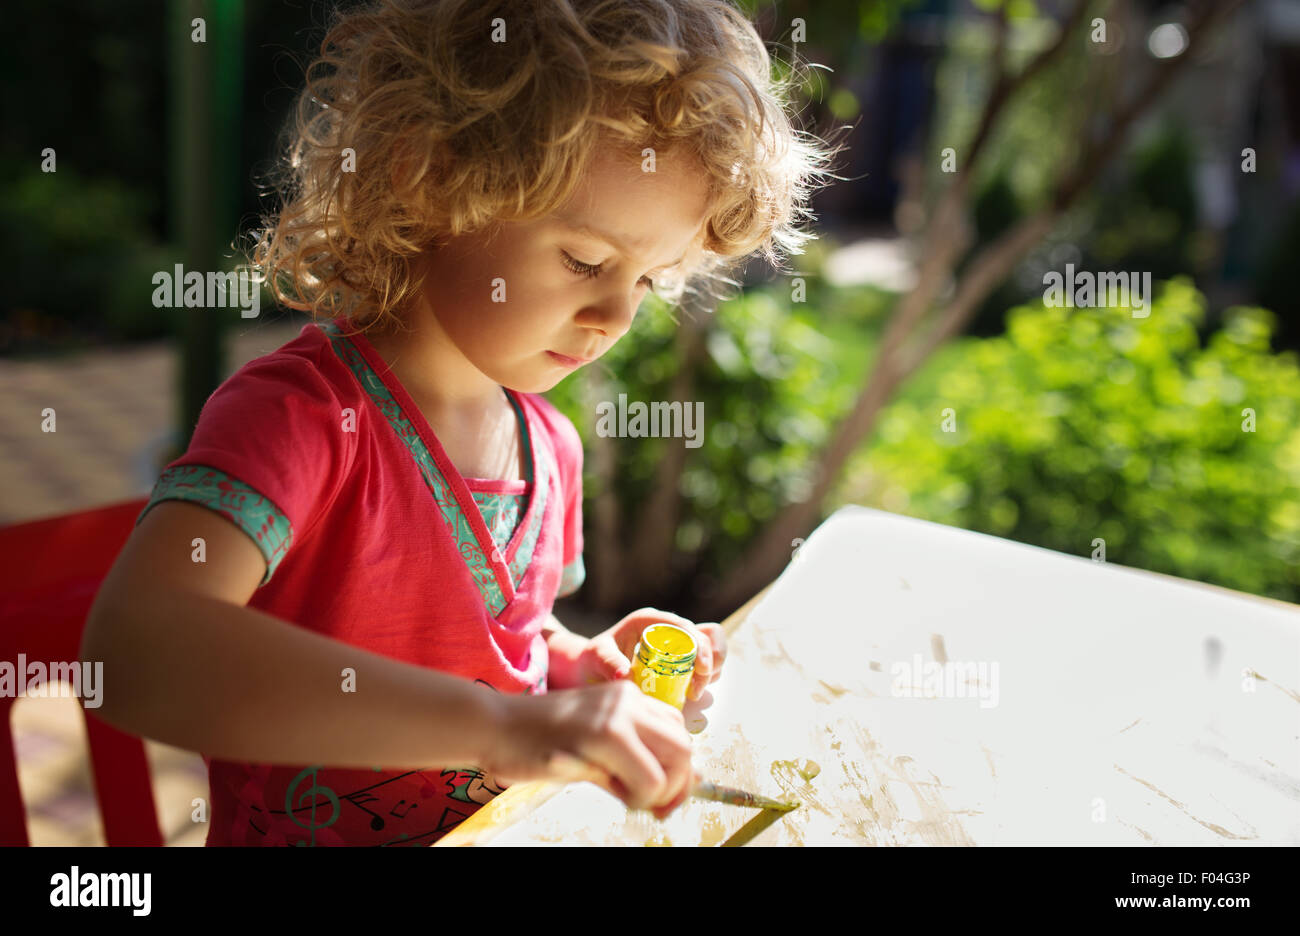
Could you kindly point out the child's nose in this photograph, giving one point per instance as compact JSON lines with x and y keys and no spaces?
{"x":615,"y":312}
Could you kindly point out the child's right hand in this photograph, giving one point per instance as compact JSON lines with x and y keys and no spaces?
{"x":634,"y":746}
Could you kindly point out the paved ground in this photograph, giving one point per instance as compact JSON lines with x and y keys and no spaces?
{"x":113,"y":409}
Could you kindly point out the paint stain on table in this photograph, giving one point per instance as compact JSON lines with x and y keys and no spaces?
{"x":807,"y":770}
{"x":712,"y":831}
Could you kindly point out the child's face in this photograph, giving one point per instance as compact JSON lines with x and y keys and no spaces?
{"x":548,"y":308}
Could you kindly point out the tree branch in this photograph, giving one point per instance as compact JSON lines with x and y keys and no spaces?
{"x":1045,"y":58}
{"x":1004,"y":87}
{"x":1095,"y":156}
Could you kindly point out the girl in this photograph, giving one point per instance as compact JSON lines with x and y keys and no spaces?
{"x":355,"y":561}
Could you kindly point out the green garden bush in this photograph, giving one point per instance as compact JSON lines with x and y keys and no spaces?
{"x":1080,"y":424}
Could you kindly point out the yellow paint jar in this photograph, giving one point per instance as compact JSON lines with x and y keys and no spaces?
{"x":664,"y":662}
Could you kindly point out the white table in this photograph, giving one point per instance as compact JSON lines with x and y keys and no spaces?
{"x":1117,"y":706}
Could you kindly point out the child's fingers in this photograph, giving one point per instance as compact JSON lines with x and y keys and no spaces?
{"x":563,"y":766}
{"x":665,"y":811}
{"x":706,"y":660}
{"x":667,"y":742}
{"x":634,"y":767}
{"x":606,"y":661}
{"x":718,"y":638}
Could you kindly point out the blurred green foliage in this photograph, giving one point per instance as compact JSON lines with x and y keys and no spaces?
{"x":833,"y":27}
{"x":1035,"y":137}
{"x":1086,"y":423}
{"x":91,"y":237}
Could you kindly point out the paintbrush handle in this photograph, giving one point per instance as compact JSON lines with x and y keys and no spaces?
{"x":575,"y":769}
{"x":723,"y":794}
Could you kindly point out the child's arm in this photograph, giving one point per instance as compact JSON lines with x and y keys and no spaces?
{"x":187,"y":663}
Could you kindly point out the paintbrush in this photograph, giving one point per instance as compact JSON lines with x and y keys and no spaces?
{"x":716,"y":793}
{"x":576,"y":769}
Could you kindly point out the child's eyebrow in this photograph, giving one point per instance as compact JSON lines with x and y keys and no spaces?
{"x":614,"y":240}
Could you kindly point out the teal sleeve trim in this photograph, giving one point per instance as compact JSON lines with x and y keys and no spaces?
{"x":264,"y":522}
{"x":574,"y":575}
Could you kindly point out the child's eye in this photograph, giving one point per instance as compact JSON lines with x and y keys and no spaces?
{"x":589,"y":271}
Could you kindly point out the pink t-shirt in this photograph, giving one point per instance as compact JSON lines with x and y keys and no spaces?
{"x":373,"y":538}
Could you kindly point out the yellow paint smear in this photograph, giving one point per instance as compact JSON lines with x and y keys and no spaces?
{"x":712,"y":831}
{"x":809,"y":769}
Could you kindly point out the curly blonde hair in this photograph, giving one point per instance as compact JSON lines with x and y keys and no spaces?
{"x":458,"y":132}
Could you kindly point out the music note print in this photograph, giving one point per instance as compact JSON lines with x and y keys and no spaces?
{"x":401,"y":815}
{"x":359,"y":800}
{"x":311,"y":791}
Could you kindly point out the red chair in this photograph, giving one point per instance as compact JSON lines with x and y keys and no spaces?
{"x":50,"y":571}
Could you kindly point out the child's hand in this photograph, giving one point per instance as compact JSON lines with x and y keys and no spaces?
{"x":614,"y":735}
{"x":608,"y":655}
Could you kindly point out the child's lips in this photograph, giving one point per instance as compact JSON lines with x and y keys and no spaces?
{"x":567,"y":361}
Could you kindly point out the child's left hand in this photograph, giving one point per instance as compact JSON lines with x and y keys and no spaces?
{"x":608,"y":655}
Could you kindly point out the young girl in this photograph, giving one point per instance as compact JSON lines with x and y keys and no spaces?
{"x":355,"y":561}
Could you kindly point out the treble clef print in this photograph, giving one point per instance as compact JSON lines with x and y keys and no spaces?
{"x":311,"y":791}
